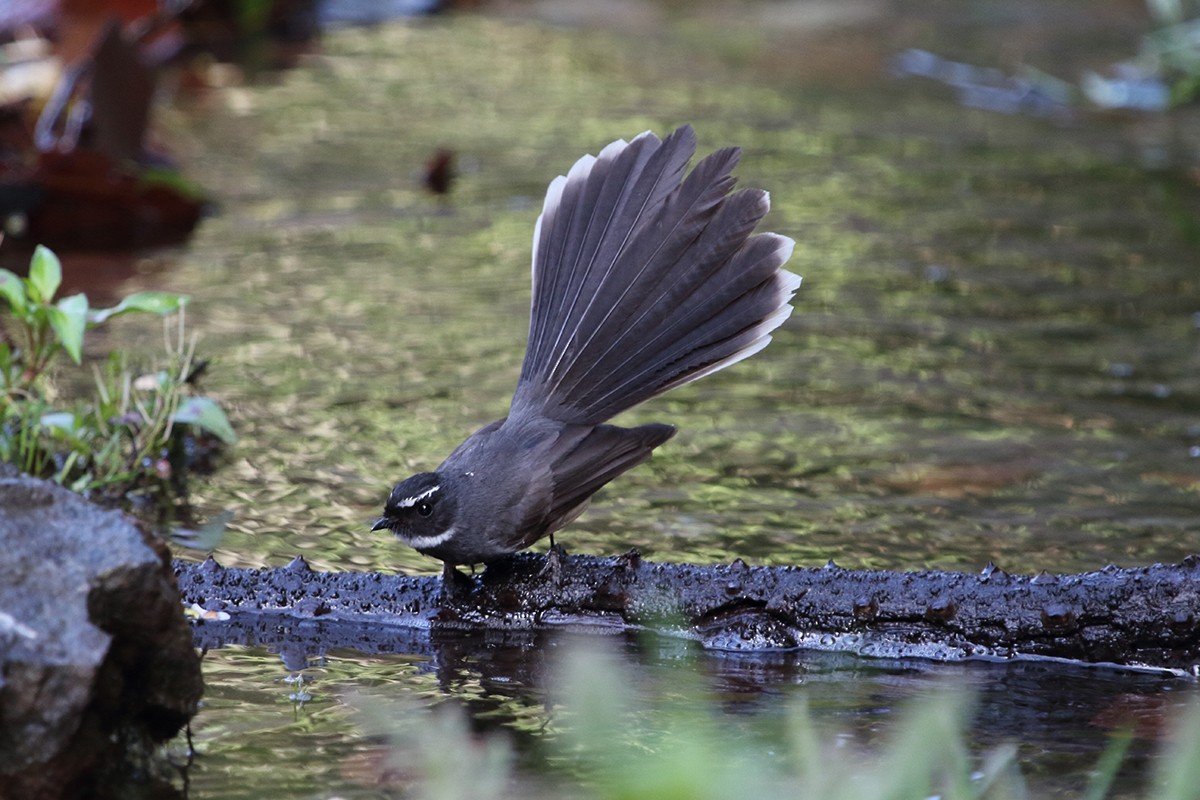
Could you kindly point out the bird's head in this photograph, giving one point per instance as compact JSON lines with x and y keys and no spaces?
{"x":420,"y":511}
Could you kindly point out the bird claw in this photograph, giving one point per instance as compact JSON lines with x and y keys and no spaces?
{"x":556,"y":565}
{"x":454,"y":582}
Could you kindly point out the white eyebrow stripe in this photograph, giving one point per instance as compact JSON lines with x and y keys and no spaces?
{"x":409,"y":502}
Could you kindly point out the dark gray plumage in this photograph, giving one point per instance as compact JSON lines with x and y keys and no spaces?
{"x":643,"y":280}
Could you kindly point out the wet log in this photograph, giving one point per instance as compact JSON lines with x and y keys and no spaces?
{"x":1141,"y":618}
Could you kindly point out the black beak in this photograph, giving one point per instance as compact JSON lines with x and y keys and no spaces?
{"x":381,"y":524}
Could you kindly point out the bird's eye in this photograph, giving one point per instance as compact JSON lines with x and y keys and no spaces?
{"x":424,"y":508}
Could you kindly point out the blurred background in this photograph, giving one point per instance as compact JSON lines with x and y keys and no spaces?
{"x":995,"y":355}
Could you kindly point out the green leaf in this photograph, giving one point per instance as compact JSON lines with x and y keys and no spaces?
{"x":205,"y":414}
{"x":160,"y":303}
{"x":45,"y":274}
{"x":69,"y":319}
{"x":12,"y":290}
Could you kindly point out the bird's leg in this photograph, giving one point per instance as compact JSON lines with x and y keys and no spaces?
{"x":556,"y":563}
{"x":453,"y":581}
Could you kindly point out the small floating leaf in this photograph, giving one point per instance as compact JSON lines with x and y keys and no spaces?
{"x":197,"y":611}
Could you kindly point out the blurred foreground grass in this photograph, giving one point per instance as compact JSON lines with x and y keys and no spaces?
{"x":606,"y":745}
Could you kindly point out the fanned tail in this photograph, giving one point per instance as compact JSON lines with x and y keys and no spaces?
{"x":644,"y":280}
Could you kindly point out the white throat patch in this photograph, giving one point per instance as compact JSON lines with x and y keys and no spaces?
{"x":427,"y":542}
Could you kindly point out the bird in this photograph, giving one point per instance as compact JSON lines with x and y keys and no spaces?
{"x":644,"y":279}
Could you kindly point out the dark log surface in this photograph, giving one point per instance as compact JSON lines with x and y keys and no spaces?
{"x":1144,"y":617}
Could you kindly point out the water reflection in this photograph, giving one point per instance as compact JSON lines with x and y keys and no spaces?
{"x":1060,"y":718}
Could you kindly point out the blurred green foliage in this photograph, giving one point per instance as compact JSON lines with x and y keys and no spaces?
{"x":121,"y":439}
{"x":691,"y":751}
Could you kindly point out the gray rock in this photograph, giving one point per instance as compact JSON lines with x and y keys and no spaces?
{"x":97,"y":659}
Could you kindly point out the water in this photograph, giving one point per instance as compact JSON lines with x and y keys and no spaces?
{"x":994,"y":357}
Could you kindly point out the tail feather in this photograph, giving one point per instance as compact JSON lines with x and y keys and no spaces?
{"x":599,"y":201}
{"x":644,"y":280}
{"x":669,"y":262}
{"x":706,"y":339}
{"x":687,"y":284}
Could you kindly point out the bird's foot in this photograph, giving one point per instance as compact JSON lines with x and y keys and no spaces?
{"x":629,"y":560}
{"x":454,"y":583}
{"x":557,"y":561}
